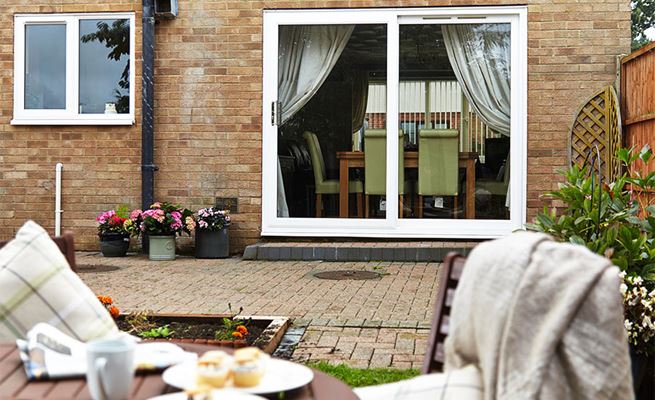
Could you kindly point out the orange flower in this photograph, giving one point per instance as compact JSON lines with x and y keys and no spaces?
{"x":106,"y":300}
{"x":237,"y":335}
{"x":113,"y":310}
{"x":242,"y":330}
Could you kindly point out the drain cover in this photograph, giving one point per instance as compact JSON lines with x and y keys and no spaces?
{"x":340,"y":275}
{"x":82,"y":268}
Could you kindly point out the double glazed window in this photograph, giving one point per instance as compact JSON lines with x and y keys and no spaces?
{"x":394,"y":122}
{"x":74,"y":69}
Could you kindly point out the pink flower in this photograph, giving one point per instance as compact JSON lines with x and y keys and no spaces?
{"x":135,"y":214}
{"x":203,"y":224}
{"x":105,"y":216}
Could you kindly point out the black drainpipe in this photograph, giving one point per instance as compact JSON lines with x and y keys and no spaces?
{"x":148,"y":167}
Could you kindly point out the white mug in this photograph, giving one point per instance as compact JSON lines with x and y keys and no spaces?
{"x":110,"y":368}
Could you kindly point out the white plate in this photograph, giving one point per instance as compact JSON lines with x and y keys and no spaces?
{"x":280,"y":376}
{"x":226,"y":394}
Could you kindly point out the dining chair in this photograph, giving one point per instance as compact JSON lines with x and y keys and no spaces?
{"x":324,"y":186}
{"x":451,"y":271}
{"x":66,"y":244}
{"x":438,"y":152}
{"x":375,"y":170}
{"x":499,"y":186}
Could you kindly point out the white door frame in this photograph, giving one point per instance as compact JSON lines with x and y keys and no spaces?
{"x":392,"y":226}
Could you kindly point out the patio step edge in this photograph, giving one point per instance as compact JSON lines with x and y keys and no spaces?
{"x":309,"y":252}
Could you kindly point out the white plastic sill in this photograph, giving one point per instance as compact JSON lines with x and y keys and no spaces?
{"x":72,"y":121}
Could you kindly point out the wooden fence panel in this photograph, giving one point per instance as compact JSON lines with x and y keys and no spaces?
{"x":638,"y":99}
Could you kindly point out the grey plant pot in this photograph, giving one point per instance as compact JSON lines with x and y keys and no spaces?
{"x":212,"y":244}
{"x":161,"y":248}
{"x":114,"y":244}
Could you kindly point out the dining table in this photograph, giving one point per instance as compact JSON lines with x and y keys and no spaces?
{"x":355,"y":159}
{"x":14,"y":383}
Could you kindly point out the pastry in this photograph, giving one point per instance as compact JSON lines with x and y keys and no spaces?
{"x":199,"y":393}
{"x":249,"y":366}
{"x":213,"y":369}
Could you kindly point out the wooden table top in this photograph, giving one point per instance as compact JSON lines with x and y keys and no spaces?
{"x":14,"y":384}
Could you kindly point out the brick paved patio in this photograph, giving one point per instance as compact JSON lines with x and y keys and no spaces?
{"x":373,"y":323}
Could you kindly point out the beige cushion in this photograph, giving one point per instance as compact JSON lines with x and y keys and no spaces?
{"x":37,"y":285}
{"x":459,"y":384}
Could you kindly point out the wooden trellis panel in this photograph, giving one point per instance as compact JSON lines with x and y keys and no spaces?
{"x":597,"y":123}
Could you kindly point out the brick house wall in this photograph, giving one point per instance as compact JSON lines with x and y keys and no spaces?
{"x":208,"y":109}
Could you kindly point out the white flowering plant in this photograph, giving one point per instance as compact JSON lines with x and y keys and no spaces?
{"x":212,"y":218}
{"x":639,"y":307}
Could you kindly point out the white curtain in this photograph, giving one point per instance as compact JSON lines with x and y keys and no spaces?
{"x":306,"y":55}
{"x":359,"y":99}
{"x":480,"y":57}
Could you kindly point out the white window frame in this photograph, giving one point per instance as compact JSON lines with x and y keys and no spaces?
{"x":392,"y":226}
{"x":70,"y":115}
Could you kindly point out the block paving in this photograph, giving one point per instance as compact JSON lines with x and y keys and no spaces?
{"x":366,"y":323}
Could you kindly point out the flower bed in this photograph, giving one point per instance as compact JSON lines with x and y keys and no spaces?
{"x":263,"y":332}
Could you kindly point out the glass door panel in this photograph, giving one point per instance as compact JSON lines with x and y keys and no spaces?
{"x":331,"y":123}
{"x":454,"y":114}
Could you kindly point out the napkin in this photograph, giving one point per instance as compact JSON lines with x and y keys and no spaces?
{"x":48,"y":353}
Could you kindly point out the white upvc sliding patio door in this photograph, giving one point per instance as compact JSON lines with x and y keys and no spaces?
{"x":377,"y":122}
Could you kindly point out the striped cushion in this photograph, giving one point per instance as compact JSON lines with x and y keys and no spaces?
{"x":37,"y":285}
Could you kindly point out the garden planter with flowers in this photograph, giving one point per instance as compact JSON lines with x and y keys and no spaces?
{"x":114,"y":230}
{"x":162,"y":222}
{"x":212,"y":240}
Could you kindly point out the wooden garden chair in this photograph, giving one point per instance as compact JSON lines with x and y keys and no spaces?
{"x":451,"y":270}
{"x":65,"y":243}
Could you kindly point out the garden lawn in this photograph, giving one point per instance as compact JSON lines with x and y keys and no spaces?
{"x":357,"y":377}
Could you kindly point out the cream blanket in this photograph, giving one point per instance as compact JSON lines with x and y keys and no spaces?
{"x":542,"y":320}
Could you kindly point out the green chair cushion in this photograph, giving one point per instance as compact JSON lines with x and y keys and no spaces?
{"x":375,"y":162}
{"x":331,"y":186}
{"x":439,"y":133}
{"x":438,"y":152}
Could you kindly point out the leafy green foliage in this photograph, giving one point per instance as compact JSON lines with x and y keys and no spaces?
{"x":230,"y":325}
{"x":117,"y":39}
{"x":156,"y":333}
{"x":608,"y":218}
{"x":357,"y":377}
{"x":643,"y":17}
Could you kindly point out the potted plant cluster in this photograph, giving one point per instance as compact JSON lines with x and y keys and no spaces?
{"x":615,"y":219}
{"x":162,"y":222}
{"x":212,"y":240}
{"x":114,"y":229}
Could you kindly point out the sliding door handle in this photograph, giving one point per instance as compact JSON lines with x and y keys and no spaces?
{"x":273,"y":113}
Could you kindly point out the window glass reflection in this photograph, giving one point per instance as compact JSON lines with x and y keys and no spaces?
{"x":104,"y":66}
{"x":45,"y":66}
